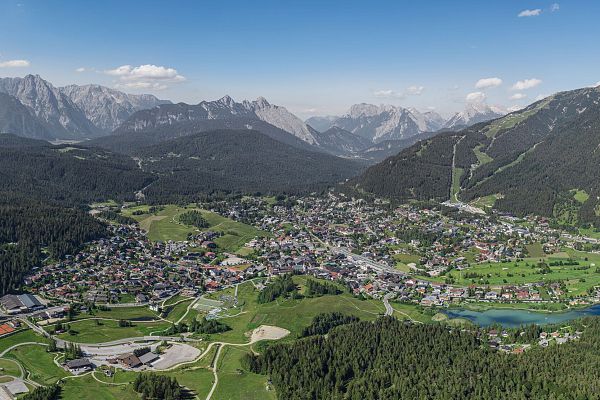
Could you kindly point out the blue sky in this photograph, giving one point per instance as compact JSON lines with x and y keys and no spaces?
{"x":314,"y":57}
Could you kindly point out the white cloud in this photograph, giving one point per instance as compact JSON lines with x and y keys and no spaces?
{"x":414,"y":90}
{"x":142,"y":85}
{"x":518,"y":96}
{"x":388,"y":94}
{"x":554,"y":7}
{"x":145,"y":76}
{"x":514,"y":108}
{"x":80,"y":69}
{"x":14,"y":64}
{"x":526,"y":84}
{"x":486,"y":83}
{"x":530,"y":13}
{"x":476,"y":97}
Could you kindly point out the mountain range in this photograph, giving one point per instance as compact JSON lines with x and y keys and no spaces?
{"x":40,"y":110}
{"x":540,"y":160}
{"x":547,"y":151}
{"x":394,"y":125}
{"x":70,"y":112}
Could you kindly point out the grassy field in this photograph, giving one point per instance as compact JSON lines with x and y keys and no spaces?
{"x":290,"y":314}
{"x":580,"y":195}
{"x":536,"y":250}
{"x":410,"y":312}
{"x":88,"y":331}
{"x":20,"y":337}
{"x":87,"y":388}
{"x":485,"y":201}
{"x":133,"y":313}
{"x":9,"y":367}
{"x":578,"y":278}
{"x":589,"y":232}
{"x":236,"y":384}
{"x":39,"y":363}
{"x":165,"y":226}
{"x":455,"y":188}
{"x":178,"y":311}
{"x":511,"y":121}
{"x":197,"y":379}
{"x":482,"y":157}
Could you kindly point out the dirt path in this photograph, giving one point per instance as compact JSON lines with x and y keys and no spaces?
{"x":263,"y":332}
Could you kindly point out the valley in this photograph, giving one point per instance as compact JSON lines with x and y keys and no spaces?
{"x":385,"y":235}
{"x":155,"y":282}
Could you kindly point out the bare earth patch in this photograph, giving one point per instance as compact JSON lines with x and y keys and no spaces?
{"x":268,"y":332}
{"x":176,"y":354}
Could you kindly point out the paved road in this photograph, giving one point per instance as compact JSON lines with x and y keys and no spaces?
{"x":379,"y":267}
{"x":386,"y":302}
{"x":62,"y":343}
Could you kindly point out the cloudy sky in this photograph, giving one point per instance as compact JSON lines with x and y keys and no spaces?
{"x":314,"y":57}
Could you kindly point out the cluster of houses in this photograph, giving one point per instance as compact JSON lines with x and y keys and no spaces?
{"x":129,"y":268}
{"x":331,"y":237}
{"x":307,"y":234}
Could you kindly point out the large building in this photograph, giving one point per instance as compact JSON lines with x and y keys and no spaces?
{"x":21,"y":303}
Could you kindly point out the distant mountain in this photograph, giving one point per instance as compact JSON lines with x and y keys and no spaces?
{"x":72,"y":112}
{"x":386,"y":122}
{"x":340,"y":142}
{"x":131,"y":141}
{"x":239,"y":161}
{"x":15,"y":117}
{"x":530,"y":161}
{"x":429,"y":121}
{"x":280,"y":117}
{"x":108,"y":108}
{"x":473,"y":114}
{"x":62,"y":117}
{"x":321,"y":124}
{"x":223,"y":109}
{"x":380,"y":151}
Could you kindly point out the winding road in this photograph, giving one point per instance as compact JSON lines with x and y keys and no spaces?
{"x":386,"y":302}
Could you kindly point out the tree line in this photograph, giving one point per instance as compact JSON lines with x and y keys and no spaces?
{"x":29,"y":229}
{"x":390,"y":359}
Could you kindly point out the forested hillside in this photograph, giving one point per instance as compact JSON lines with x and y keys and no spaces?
{"x":422,"y":171}
{"x":547,"y":152}
{"x":388,"y":359}
{"x":237,"y":161}
{"x":27,"y":229}
{"x":132,"y":141}
{"x":66,"y":174}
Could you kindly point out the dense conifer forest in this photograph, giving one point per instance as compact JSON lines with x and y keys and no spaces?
{"x":533,"y":161}
{"x":158,"y":387}
{"x":193,"y":218}
{"x":43,"y":393}
{"x":281,"y":286}
{"x":30,"y":231}
{"x":65,"y":174}
{"x":323,"y":323}
{"x":390,"y":359}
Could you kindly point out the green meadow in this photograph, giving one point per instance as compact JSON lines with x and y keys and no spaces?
{"x":165,"y":225}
